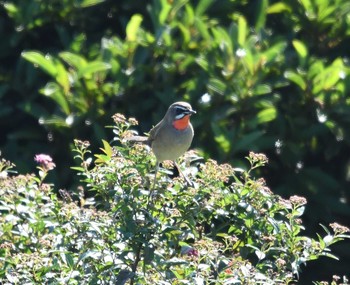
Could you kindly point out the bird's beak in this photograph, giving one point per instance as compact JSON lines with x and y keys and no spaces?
{"x":191,"y":112}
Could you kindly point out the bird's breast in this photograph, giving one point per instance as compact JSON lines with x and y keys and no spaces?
{"x":172,"y":143}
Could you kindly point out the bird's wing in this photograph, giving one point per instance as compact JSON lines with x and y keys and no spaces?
{"x":153,"y":133}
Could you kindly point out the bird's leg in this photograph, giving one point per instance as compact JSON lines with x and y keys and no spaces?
{"x":149,"y":199}
{"x":188,"y":181}
{"x":155,"y":176}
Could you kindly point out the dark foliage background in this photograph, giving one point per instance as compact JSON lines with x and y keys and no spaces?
{"x":266,"y":76}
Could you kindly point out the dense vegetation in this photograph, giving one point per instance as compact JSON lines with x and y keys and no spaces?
{"x":228,"y":228}
{"x":264,"y":76}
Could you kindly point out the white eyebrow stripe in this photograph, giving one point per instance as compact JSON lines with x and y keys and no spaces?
{"x":180,"y":116}
{"x":181,"y":108}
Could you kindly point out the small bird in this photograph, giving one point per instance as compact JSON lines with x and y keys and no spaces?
{"x":171,"y":137}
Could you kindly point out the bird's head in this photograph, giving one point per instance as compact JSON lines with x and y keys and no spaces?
{"x":179,"y":114}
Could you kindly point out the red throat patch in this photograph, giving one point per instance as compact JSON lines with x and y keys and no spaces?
{"x":182,"y":124}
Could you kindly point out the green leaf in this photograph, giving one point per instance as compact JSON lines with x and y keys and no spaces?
{"x":203,"y":63}
{"x":73,"y":60}
{"x":262,"y":89}
{"x":296,"y":78}
{"x":278,"y":7}
{"x":223,"y":143}
{"x":44,"y":62}
{"x":327,"y":14}
{"x":133,"y":27}
{"x":267,"y":115}
{"x":329,"y":255}
{"x":242,"y":30}
{"x":93,"y":67}
{"x":249,"y":62}
{"x":316,"y":68}
{"x":261,"y":9}
{"x":176,"y":6}
{"x":62,"y":76}
{"x":185,"y":33}
{"x":89,"y":3}
{"x":107,"y":149}
{"x":108,"y":152}
{"x":69,"y":260}
{"x":163,"y":15}
{"x":307,"y":5}
{"x":10,"y":8}
{"x":202,"y":28}
{"x":325,"y":229}
{"x":217,"y":86}
{"x":331,"y":79}
{"x":190,"y":17}
{"x":300,"y":48}
{"x":54,"y":91}
{"x":202,"y":6}
{"x":275,"y":51}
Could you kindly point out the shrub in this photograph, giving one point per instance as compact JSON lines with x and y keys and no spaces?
{"x":230,"y":228}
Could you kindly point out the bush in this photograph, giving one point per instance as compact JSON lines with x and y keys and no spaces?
{"x":227,"y":229}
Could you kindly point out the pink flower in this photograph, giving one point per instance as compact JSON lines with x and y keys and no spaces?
{"x":192,"y":252}
{"x":45,"y":161}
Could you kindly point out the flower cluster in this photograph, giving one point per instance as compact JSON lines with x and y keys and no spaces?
{"x":258,"y":158}
{"x":45,"y":161}
{"x":339,"y":229}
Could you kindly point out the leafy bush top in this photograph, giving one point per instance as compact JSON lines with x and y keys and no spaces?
{"x":230,"y":228}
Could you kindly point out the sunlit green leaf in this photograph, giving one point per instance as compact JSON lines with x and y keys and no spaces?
{"x":185,"y":33}
{"x":53,"y":91}
{"x":278,"y":7}
{"x":44,"y":62}
{"x":202,"y":6}
{"x":165,"y":9}
{"x":249,"y":62}
{"x":262,"y":89}
{"x":203,"y":63}
{"x":74,"y":60}
{"x":331,"y":78}
{"x":10,"y":8}
{"x":296,"y":78}
{"x":223,"y":143}
{"x":327,"y":12}
{"x":260,"y":10}
{"x":89,"y":3}
{"x":308,"y":7}
{"x":133,"y":27}
{"x":316,"y":68}
{"x":203,"y":29}
{"x":93,"y":67}
{"x":242,"y":30}
{"x":189,"y":14}
{"x":217,"y":86}
{"x":62,"y":76}
{"x":267,"y":115}
{"x":300,"y":48}
{"x":107,"y":149}
{"x":274,"y":51}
